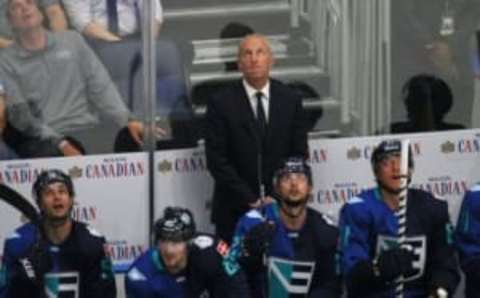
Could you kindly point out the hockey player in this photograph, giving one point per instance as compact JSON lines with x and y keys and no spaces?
{"x":286,"y":247}
{"x":184,"y":264}
{"x":371,"y":259}
{"x":59,"y":258}
{"x":468,"y":241}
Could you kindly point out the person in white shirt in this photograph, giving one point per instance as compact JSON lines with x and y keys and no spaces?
{"x":91,"y":18}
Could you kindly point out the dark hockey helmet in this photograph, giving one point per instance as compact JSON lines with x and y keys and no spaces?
{"x":177,"y":224}
{"x":48,"y":177}
{"x":293,"y":165}
{"x":388,"y":148}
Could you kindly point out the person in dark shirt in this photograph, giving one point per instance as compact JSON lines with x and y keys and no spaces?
{"x":59,"y":257}
{"x":427,"y":100}
{"x":372,"y":258}
{"x":289,"y":235}
{"x":184,"y":263}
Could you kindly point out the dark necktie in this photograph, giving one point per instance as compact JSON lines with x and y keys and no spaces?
{"x":138,"y":16}
{"x":261,"y":119}
{"x":112,"y":14}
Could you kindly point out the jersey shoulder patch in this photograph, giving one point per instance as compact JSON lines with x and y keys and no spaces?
{"x":254,"y":214}
{"x":355,"y":200}
{"x":475,"y":188}
{"x":14,"y":235}
{"x":93,"y":231}
{"x":136,"y":275}
{"x":203,"y":241}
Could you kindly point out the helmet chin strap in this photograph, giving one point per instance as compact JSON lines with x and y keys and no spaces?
{"x":392,"y":190}
{"x":286,"y":205}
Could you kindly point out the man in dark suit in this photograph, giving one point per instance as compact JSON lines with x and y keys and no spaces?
{"x":252,"y":125}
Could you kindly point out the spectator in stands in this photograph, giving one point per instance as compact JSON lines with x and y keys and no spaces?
{"x":55,"y":87}
{"x":5,"y":152}
{"x":251,"y":125}
{"x":114,"y":28}
{"x":432,"y":36}
{"x":109,"y":20}
{"x":201,"y":92}
{"x":52,"y":10}
{"x":234,"y":30}
{"x":427,"y":100}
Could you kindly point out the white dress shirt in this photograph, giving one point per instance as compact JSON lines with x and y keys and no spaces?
{"x":83,"y":12}
{"x":251,"y":93}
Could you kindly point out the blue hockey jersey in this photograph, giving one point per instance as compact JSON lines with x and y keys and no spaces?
{"x":468,"y":240}
{"x":309,"y":253}
{"x":78,"y":267}
{"x":368,"y":226}
{"x":208,"y":270}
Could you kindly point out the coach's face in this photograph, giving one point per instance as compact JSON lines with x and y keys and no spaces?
{"x":255,"y":60}
{"x":24,"y":14}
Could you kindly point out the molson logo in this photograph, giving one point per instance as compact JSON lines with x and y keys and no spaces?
{"x":365,"y":152}
{"x":339,"y":194}
{"x":164,"y":166}
{"x":191,"y":164}
{"x":121,"y":251}
{"x":115,"y":168}
{"x":447,"y":147}
{"x":443,"y":186}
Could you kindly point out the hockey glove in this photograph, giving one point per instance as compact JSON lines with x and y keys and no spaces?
{"x":258,"y":240}
{"x":394,"y":262}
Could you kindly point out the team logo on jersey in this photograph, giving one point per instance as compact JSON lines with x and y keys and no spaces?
{"x":419,"y":245}
{"x":203,"y":241}
{"x":287,"y":277}
{"x":62,"y":285}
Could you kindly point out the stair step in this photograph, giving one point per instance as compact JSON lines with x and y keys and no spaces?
{"x":212,"y":55}
{"x":215,"y":65}
{"x":279,"y":72}
{"x":179,"y":4}
{"x":225,"y":9}
{"x":225,"y":50}
{"x":309,"y":104}
{"x":308,"y":79}
{"x":207,"y":22}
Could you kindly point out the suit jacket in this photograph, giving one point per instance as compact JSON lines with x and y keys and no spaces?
{"x":234,"y":151}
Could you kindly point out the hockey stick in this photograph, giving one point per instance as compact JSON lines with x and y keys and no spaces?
{"x":401,"y":212}
{"x":19,"y":202}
